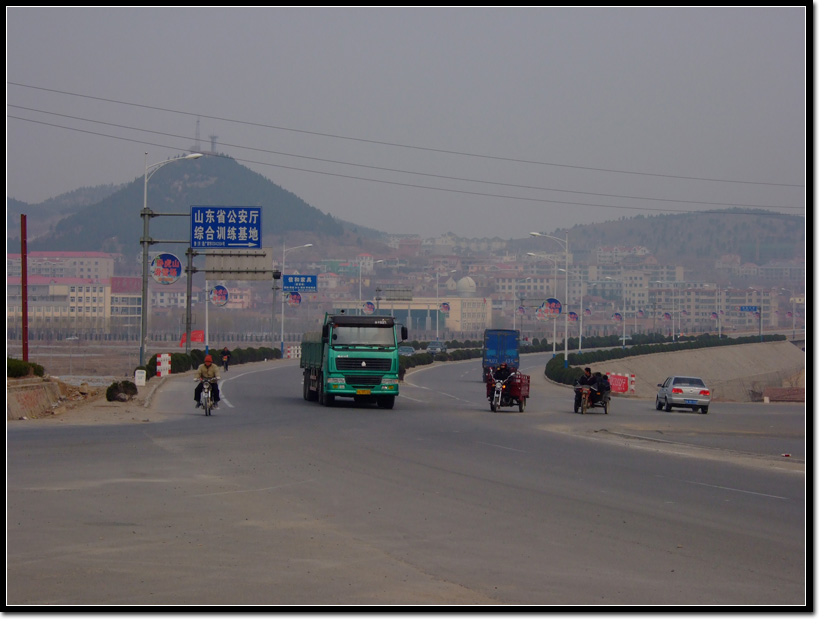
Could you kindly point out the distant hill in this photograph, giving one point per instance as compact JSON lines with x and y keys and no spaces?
{"x":107,"y":218}
{"x":53,"y":210}
{"x":114,"y":224}
{"x":697,"y":240}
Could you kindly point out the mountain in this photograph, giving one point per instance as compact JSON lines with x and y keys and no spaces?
{"x":53,"y":210}
{"x":757,"y":236}
{"x":114,"y":223}
{"x":108,"y":218}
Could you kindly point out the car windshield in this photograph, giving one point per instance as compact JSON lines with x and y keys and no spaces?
{"x":373,"y":336}
{"x":688,"y":381}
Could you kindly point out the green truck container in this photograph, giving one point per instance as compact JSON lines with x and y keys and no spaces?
{"x":352,"y":356}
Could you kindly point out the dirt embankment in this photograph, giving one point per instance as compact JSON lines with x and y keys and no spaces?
{"x":734,"y":373}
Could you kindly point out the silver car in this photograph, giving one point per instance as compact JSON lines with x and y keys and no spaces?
{"x":435,"y":347}
{"x":683,"y":391}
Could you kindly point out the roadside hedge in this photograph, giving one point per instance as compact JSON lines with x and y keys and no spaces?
{"x":19,"y":368}
{"x":182,"y":362}
{"x":117,"y":388}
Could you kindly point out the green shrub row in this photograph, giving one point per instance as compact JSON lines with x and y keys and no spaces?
{"x":182,"y":362}
{"x":19,"y":368}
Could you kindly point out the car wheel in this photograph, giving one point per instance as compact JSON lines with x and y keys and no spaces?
{"x":658,"y":404}
{"x":704,"y":410}
{"x":667,"y":406}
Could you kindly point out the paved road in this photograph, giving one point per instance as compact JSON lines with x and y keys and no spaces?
{"x":277,"y":501}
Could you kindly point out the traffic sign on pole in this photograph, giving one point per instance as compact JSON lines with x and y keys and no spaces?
{"x":226,"y":227}
{"x":299,"y":283}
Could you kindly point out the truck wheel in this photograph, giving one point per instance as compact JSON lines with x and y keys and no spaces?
{"x":320,"y":390}
{"x":326,"y":398}
{"x":386,"y":402}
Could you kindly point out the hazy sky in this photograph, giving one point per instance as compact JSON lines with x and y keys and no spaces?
{"x":477,"y":121}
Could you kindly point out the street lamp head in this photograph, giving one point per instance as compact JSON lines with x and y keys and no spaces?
{"x":193,"y":156}
{"x":536,"y":234}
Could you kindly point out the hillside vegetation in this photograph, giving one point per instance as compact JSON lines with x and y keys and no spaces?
{"x":108,"y":219}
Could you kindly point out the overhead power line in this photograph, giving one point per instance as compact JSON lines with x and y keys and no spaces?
{"x":401,"y":145}
{"x":391,"y":170}
{"x":420,"y":186}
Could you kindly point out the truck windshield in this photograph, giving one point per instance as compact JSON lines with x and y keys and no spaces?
{"x":363,"y":336}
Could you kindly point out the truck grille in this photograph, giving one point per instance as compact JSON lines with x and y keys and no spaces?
{"x":366,"y":364}
{"x":363,"y":381}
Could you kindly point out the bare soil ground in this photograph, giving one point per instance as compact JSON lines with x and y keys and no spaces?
{"x":83,"y":372}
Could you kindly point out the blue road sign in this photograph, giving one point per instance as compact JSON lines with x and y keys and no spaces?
{"x":226,"y":227}
{"x":748,"y":308}
{"x":299,"y":283}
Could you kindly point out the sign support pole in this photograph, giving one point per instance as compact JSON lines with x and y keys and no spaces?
{"x":206,"y":305}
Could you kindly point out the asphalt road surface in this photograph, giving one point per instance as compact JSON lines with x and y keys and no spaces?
{"x":278,"y":501}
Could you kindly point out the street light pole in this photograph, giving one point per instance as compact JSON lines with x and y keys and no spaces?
{"x":581,"y":308}
{"x":282,"y":313}
{"x":624,"y":309}
{"x":359,"y":310}
{"x":146,"y":215}
{"x":514,"y":293}
{"x":437,"y":302}
{"x":566,"y":242}
{"x":554,"y":260}
{"x":673,"y":306}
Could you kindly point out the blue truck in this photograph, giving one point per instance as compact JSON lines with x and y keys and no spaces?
{"x":500,"y":345}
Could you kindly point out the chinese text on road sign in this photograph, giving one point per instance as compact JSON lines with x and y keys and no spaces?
{"x":226,"y":227}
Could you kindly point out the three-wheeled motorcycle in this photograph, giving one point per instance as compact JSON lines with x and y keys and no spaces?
{"x":514,"y":390}
{"x":588,"y":397}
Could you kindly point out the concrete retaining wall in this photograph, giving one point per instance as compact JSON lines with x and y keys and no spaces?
{"x":734,"y":373}
{"x":30,"y":398}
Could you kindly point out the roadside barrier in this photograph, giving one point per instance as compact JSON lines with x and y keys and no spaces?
{"x":622,"y":383}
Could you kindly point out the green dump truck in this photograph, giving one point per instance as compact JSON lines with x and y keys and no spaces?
{"x":354,"y":357}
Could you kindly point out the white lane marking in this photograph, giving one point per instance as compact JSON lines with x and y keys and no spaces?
{"x":264,"y":489}
{"x":506,"y":448}
{"x":451,"y":396}
{"x":722,"y":487}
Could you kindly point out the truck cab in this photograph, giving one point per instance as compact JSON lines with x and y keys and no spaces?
{"x":352,"y":356}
